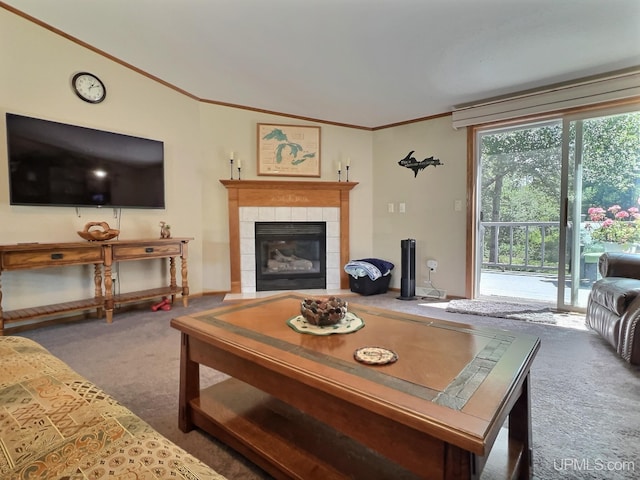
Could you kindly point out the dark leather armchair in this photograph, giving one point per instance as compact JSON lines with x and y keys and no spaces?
{"x":613,"y":309}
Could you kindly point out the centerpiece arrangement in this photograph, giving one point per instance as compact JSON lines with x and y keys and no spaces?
{"x":325,"y":316}
{"x":323,"y":311}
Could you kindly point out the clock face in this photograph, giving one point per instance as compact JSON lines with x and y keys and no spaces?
{"x":89,"y":87}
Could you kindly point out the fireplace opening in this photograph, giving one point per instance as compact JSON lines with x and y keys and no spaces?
{"x":290,"y":255}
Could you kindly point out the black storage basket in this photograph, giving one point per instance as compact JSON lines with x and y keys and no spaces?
{"x":366,"y":286}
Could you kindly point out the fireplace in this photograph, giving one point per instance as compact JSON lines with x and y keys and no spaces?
{"x":290,"y":255}
{"x":253,"y":201}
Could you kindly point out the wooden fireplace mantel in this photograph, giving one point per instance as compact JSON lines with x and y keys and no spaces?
{"x":277,"y":193}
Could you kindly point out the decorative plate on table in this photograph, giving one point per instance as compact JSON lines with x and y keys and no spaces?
{"x":375,"y":355}
{"x":350,"y":323}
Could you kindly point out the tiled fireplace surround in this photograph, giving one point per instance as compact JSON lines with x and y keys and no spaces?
{"x":253,"y":201}
{"x":250,"y":215}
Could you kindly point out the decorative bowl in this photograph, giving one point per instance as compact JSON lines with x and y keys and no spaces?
{"x":323,"y":311}
{"x":98,"y":235}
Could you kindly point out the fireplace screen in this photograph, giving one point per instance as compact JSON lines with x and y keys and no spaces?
{"x":290,"y":255}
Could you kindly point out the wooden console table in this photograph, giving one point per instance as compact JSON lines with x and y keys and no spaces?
{"x":127,"y":250}
{"x":30,"y":256}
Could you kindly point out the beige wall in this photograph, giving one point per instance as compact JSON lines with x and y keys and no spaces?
{"x":226,"y":129}
{"x":37,"y":67}
{"x":430,"y":218}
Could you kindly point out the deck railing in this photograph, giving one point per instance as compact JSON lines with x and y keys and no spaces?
{"x":520,"y":246}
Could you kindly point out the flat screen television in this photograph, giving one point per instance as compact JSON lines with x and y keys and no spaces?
{"x":56,"y":164}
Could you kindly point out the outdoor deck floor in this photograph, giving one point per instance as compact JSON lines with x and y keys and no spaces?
{"x":527,"y":286}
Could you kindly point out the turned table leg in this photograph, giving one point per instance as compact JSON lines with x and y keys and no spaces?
{"x":97,"y":280}
{"x":185,"y":283}
{"x":108,"y":283}
{"x":172,"y":277}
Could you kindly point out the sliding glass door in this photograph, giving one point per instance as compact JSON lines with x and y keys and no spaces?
{"x":519,"y":211}
{"x":552,"y":196}
{"x":601,"y":191}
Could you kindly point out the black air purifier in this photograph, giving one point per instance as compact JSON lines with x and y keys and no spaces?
{"x":408,"y":263}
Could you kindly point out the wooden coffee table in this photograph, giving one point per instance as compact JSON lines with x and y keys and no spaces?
{"x":301,"y":406}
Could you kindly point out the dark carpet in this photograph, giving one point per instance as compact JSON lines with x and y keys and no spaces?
{"x":585,"y":399}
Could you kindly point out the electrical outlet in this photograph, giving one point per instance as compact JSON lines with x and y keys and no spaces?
{"x":390,"y":207}
{"x":114,"y":276}
{"x":432,"y":265}
{"x":402,"y":207}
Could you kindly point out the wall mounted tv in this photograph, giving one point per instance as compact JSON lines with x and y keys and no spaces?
{"x":55,"y":164}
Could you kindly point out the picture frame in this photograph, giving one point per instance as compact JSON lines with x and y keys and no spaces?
{"x":288,"y":150}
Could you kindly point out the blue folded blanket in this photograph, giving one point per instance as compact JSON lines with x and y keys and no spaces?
{"x":384,"y":266}
{"x":372,"y":267}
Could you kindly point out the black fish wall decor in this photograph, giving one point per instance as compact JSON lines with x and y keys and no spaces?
{"x":415,"y":165}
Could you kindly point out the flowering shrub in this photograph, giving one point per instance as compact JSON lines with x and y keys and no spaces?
{"x":615,"y":224}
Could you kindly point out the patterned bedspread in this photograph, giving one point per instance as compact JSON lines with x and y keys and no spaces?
{"x":54,"y":424}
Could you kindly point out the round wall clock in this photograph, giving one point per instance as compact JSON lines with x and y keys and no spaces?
{"x":89,"y":87}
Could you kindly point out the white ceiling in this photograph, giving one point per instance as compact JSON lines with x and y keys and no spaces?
{"x":367,"y":63}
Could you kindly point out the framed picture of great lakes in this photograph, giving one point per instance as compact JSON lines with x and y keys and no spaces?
{"x":288,"y":150}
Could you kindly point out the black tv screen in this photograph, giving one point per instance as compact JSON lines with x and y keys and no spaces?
{"x":56,"y":164}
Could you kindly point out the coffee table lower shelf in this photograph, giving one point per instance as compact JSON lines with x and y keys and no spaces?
{"x":289,"y":444}
{"x":280,"y":439}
